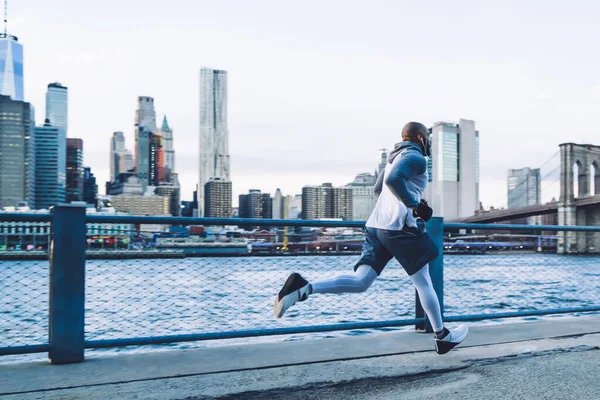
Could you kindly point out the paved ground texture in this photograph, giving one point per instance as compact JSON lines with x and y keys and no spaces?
{"x":555,"y":375}
{"x":554,"y":359}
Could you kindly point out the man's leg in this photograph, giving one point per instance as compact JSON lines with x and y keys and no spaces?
{"x":429,"y":300}
{"x":363,"y":278}
{"x":296,"y":288}
{"x":445,"y":340}
{"x":414,"y":249}
{"x":372,"y":261}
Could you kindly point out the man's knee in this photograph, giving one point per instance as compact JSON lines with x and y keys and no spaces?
{"x":366,"y":275}
{"x":366,"y":284}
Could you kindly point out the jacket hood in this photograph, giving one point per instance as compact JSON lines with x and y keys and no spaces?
{"x":398,"y":147}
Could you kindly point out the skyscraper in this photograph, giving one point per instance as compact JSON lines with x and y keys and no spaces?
{"x":255,"y":205}
{"x":17,"y":152}
{"x":341,"y":201}
{"x":382,"y":162}
{"x":145,"y":114}
{"x":57,"y":98}
{"x":243,"y":206}
{"x":172,"y":191}
{"x":167,"y":135}
{"x":266,"y":209}
{"x":153,"y":161}
{"x":363,"y":196}
{"x":90,"y":188}
{"x":156,"y":160}
{"x":524,"y":187}
{"x":145,"y":123}
{"x":313,"y":202}
{"x":453,"y":191}
{"x":190,"y":207}
{"x":278,"y":205}
{"x":294,"y":206}
{"x":126,"y":164}
{"x":74,"y":170}
{"x":11,"y":67}
{"x":160,"y":159}
{"x":142,"y":154}
{"x":325,"y":201}
{"x":214,"y":135}
{"x":136,"y":204}
{"x":117,"y":148}
{"x":217,"y":199}
{"x":50,"y":165}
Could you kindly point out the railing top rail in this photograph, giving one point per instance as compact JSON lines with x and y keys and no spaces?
{"x":168,"y":220}
{"x":313,"y":223}
{"x":220,"y":221}
{"x":515,"y":227}
{"x":25,"y":217}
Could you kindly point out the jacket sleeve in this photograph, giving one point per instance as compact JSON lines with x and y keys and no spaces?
{"x":378,"y":185}
{"x":408,"y":166}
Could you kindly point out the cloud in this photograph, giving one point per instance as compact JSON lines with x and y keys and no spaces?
{"x":16,"y":22}
{"x":81,"y":59}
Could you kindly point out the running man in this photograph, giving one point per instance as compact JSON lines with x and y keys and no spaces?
{"x":391,"y":231}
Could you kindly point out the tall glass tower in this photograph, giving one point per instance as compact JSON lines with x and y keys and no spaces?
{"x":74,"y":170}
{"x":117,"y":148}
{"x":17,"y":153}
{"x":214,"y":135}
{"x":145,"y":127}
{"x":50,"y":165}
{"x":453,"y":191}
{"x":11,"y":67}
{"x":167,"y":135}
{"x":56,"y":105}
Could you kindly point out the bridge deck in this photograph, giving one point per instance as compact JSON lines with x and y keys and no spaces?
{"x":527,"y":211}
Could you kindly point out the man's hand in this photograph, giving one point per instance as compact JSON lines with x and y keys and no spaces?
{"x":423,"y":211}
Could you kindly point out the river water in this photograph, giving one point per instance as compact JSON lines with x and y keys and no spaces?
{"x":141,"y":298}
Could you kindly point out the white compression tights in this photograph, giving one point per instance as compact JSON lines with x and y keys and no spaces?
{"x":365,"y":276}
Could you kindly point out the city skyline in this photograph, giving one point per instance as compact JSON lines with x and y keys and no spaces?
{"x":508,"y":80}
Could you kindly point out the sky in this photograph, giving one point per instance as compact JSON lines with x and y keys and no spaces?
{"x":316,"y":88}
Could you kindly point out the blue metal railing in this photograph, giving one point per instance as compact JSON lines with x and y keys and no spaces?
{"x":67,"y":281}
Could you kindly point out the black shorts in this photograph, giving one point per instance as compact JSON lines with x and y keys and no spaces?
{"x":412,"y":247}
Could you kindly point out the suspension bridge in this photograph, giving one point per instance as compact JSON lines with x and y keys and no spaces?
{"x":576,"y":169}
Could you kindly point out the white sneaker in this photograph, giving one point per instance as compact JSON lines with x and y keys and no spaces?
{"x":295,"y":289}
{"x":452,"y":339}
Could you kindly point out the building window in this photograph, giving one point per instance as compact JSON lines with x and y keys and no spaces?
{"x":448,"y":157}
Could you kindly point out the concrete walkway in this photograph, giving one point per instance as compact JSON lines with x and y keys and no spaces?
{"x":525,"y":358}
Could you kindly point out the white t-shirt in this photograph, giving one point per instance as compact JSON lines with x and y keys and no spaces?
{"x":391,"y":213}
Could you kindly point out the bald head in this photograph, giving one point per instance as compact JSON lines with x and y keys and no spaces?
{"x":412,"y":130}
{"x":417,"y":133}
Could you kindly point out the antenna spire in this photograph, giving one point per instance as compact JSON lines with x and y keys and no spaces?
{"x":5,"y":16}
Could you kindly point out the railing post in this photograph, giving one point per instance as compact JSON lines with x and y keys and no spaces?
{"x":67,"y":284}
{"x":435,"y":229}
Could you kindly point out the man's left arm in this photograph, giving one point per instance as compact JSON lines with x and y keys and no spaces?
{"x":379,"y":184}
{"x":409,"y":166}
